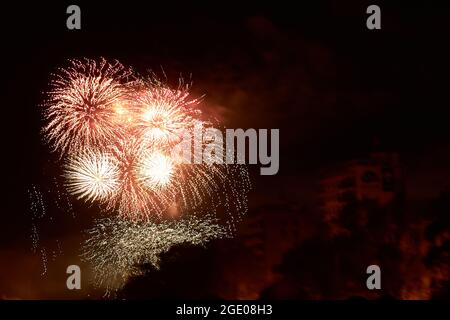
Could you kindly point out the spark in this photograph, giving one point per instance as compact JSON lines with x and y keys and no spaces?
{"x":34,"y":238}
{"x":44,"y":261}
{"x":116,"y":247}
{"x":44,"y":202}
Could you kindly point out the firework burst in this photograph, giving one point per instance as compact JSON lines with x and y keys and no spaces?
{"x":115,"y":247}
{"x":163,"y":113}
{"x":84,"y":104}
{"x":135,"y":199}
{"x":155,"y":170}
{"x":92,"y":176}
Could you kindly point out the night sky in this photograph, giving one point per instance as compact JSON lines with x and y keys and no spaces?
{"x":335,"y":89}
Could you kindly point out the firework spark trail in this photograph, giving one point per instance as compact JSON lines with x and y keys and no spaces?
{"x":116,"y":247}
{"x":44,"y":261}
{"x":43,"y":206}
{"x":62,"y":201}
{"x":37,"y":209}
{"x":34,"y":238}
{"x":36,"y":203}
{"x":82,"y":104}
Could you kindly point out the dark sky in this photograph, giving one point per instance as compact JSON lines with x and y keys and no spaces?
{"x":314,"y":71}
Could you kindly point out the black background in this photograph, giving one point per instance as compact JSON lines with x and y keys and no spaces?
{"x":312,"y":70}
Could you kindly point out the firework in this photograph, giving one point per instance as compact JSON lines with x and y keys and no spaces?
{"x":44,"y":203}
{"x":119,"y":133}
{"x":119,"y":136}
{"x":153,"y":181}
{"x":116,"y":247}
{"x":92,"y":176}
{"x":85,"y":103}
{"x":134,"y":199}
{"x":155,"y":170}
{"x":163,"y":113}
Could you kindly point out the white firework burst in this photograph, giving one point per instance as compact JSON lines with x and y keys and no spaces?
{"x":92,"y":175}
